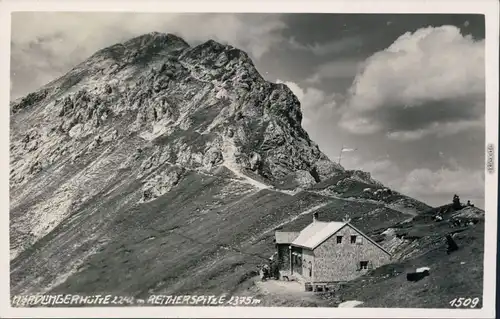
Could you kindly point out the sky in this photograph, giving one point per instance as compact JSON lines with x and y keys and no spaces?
{"x":406,"y":91}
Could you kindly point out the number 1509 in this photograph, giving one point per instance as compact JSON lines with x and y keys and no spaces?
{"x":464,"y":302}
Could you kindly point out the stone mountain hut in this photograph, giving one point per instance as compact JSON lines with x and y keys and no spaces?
{"x":328,"y":252}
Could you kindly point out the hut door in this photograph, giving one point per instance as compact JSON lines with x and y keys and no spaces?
{"x":297,"y":263}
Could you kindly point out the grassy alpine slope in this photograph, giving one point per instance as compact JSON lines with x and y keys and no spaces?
{"x":154,"y":167}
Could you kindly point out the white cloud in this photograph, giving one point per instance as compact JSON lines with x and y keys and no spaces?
{"x":437,"y":129}
{"x":314,"y":102}
{"x":52,"y":42}
{"x":425,"y":183}
{"x":253,"y":33}
{"x":359,"y":124}
{"x":429,"y":65}
{"x":382,"y":169}
{"x":345,"y":68}
{"x":346,"y":44}
{"x":434,"y":187}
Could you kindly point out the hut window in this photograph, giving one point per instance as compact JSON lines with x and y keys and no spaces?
{"x":339,"y":239}
{"x":353,"y":239}
{"x":363,"y":265}
{"x":359,"y":240}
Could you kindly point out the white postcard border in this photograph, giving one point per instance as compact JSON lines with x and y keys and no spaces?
{"x":488,"y":8}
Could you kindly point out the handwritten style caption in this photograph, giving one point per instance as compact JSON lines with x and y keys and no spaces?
{"x":70,"y":300}
{"x":111,"y":300}
{"x":202,"y":300}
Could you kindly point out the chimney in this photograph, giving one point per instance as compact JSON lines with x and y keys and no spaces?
{"x":315,"y":217}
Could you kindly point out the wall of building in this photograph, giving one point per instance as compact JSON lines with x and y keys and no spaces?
{"x":297,"y":260}
{"x":307,"y":264}
{"x":283,"y":256}
{"x":340,"y":262}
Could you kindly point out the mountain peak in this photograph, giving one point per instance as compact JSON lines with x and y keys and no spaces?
{"x":155,"y":38}
{"x":142,"y":49}
{"x":199,"y":107}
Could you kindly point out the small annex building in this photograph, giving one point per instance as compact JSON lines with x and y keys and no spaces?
{"x":328,"y":252}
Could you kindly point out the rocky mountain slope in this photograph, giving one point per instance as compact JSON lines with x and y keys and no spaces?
{"x":156,"y":167}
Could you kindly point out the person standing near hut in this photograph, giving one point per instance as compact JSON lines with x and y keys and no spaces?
{"x":275,"y":272}
{"x":265,"y":272}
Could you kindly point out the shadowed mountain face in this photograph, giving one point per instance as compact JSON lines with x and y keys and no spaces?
{"x":156,"y":167}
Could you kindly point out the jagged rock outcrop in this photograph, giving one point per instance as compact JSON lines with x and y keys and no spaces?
{"x":170,"y":94}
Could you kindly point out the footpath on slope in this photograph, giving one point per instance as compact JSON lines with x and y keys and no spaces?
{"x":230,"y":163}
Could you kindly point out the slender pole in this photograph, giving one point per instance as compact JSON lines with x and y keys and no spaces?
{"x":313,"y":270}
{"x":340,"y":155}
